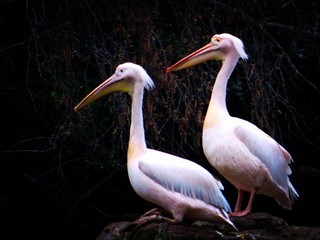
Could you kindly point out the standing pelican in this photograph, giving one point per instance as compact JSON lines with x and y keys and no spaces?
{"x":181,"y":187}
{"x":246,"y":156}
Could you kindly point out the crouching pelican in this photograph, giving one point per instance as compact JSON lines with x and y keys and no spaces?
{"x":246,"y":156}
{"x":181,"y":187}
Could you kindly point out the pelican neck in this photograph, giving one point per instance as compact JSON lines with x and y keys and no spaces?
{"x":137,"y":141}
{"x":219,"y":91}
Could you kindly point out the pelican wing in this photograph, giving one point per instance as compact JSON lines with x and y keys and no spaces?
{"x":183,"y":176}
{"x":266,"y":149}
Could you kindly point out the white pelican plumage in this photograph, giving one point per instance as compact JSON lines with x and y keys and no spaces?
{"x":181,"y":187}
{"x":246,"y":156}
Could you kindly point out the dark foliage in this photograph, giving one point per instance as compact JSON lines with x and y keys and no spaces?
{"x":63,"y":174}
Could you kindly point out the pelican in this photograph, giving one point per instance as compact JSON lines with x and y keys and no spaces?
{"x":181,"y":187}
{"x":241,"y":152}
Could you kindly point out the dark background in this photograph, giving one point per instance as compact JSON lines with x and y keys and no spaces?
{"x":63,"y":174}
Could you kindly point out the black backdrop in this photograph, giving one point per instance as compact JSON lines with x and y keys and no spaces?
{"x":63,"y":175}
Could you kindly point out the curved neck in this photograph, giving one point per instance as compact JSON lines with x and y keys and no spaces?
{"x":218,"y":95}
{"x":217,"y":105}
{"x":137,"y":143}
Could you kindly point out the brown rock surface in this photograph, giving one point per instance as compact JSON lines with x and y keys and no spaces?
{"x":255,"y":226}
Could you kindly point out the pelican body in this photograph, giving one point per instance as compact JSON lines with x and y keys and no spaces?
{"x":181,"y":187}
{"x":246,"y":156}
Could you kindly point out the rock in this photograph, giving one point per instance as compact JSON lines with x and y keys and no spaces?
{"x":255,"y":226}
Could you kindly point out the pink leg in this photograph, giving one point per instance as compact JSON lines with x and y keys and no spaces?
{"x":152,"y":216}
{"x":239,"y":200}
{"x":248,"y":209}
{"x":154,"y":211}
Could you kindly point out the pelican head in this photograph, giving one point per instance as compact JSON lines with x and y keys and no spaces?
{"x":220,"y":46}
{"x":125,"y":78}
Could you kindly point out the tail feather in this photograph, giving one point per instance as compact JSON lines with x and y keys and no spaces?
{"x":292,"y":192}
{"x":226,"y":218}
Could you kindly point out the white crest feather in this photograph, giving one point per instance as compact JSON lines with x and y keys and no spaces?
{"x":148,"y":83}
{"x":238,"y":44}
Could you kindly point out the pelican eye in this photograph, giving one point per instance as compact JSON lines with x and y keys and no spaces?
{"x":215,"y":40}
{"x":119,"y":72}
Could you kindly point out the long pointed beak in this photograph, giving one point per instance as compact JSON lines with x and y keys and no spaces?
{"x":110,"y":85}
{"x":206,"y":53}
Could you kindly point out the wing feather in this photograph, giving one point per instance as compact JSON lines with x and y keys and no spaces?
{"x":266,"y":149}
{"x":183,"y":176}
